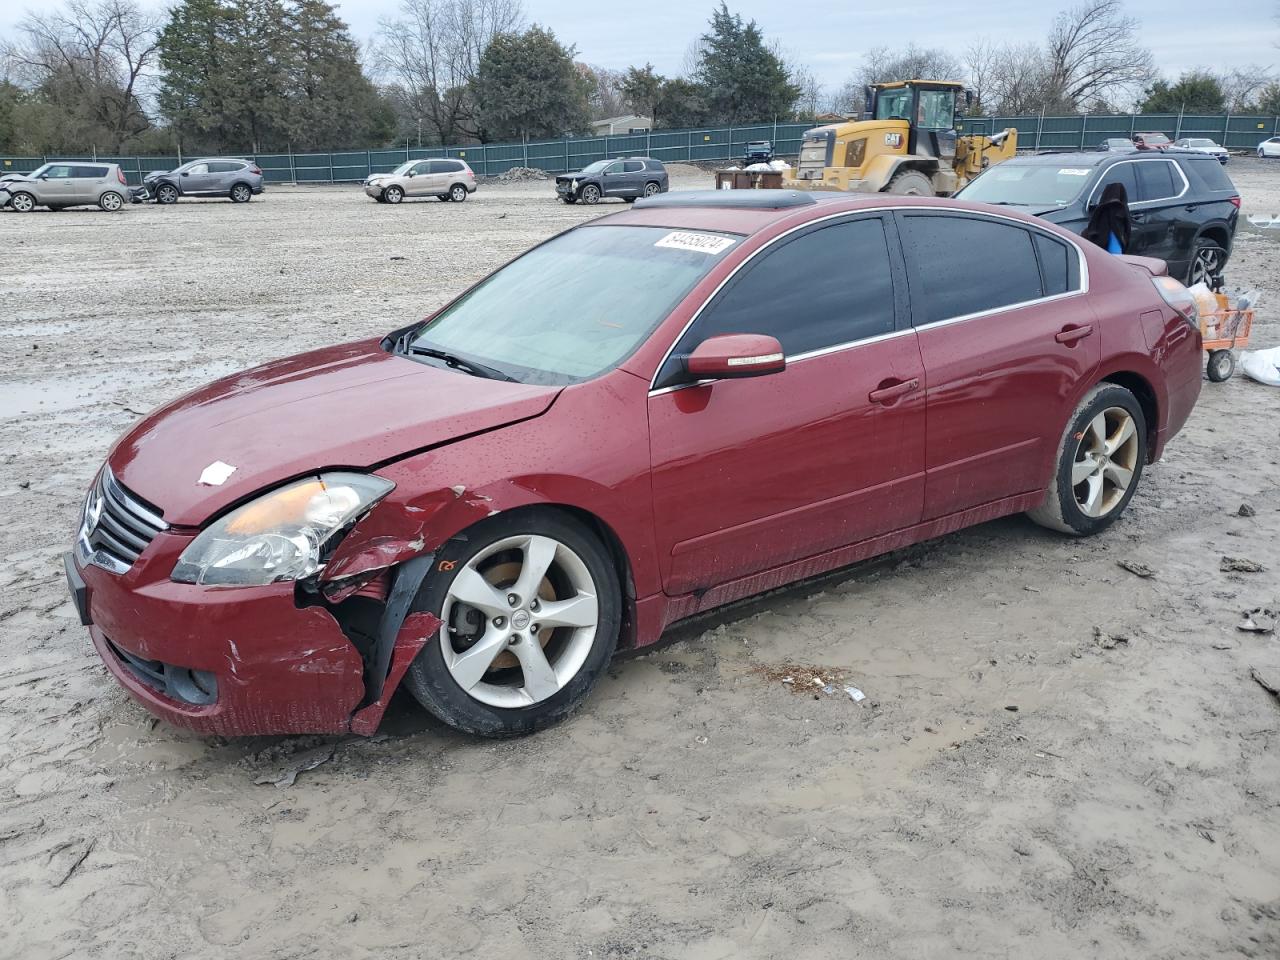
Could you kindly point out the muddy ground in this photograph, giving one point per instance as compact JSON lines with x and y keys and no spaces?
{"x":1013,"y":785}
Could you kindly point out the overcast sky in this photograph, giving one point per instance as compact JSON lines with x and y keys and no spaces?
{"x":831,"y":37}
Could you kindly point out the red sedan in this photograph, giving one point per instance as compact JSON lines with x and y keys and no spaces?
{"x":650,"y":415}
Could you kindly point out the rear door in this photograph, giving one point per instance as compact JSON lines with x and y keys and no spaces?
{"x":87,"y":181}
{"x":752,"y":474}
{"x":223,"y":174}
{"x":633,"y":177}
{"x":1007,"y":337}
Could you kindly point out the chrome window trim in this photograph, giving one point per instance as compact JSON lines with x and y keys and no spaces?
{"x":836,"y":348}
{"x":1186,"y":184}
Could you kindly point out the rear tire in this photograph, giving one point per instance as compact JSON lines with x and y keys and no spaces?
{"x":111,"y":201}
{"x":241,"y":193}
{"x":457,"y":193}
{"x":910,"y":183}
{"x":22,"y":202}
{"x":652,"y":189}
{"x":1208,"y":260}
{"x":495,"y":694}
{"x":1099,"y":463}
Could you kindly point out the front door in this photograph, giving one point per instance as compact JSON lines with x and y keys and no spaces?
{"x":1007,"y":339}
{"x":754,"y":473}
{"x":196,"y":179}
{"x":1158,"y":213}
{"x":614,"y":179}
{"x":57,"y":186}
{"x":419,"y":185}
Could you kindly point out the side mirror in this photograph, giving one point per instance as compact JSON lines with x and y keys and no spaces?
{"x":186,"y":173}
{"x":736,"y":355}
{"x":413,"y":173}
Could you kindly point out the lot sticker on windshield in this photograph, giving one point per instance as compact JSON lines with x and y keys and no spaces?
{"x":1073,"y":172}
{"x":700,"y":242}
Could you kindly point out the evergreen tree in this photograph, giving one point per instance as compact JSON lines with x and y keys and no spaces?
{"x":1194,"y":92}
{"x":746,"y":82}
{"x":333,"y":102}
{"x":642,"y":88}
{"x":527,"y":86}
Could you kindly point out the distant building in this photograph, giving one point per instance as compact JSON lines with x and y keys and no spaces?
{"x":631,"y":123}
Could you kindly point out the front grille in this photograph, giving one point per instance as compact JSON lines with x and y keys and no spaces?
{"x":195,"y":687}
{"x":117,"y":526}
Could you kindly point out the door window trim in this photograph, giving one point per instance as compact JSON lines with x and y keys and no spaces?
{"x":897,"y":259}
{"x":1186,"y":184}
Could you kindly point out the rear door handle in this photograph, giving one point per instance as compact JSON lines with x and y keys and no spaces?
{"x":892,"y":391}
{"x":1070,"y":335}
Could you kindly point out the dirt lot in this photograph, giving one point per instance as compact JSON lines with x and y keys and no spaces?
{"x":1013,"y":786}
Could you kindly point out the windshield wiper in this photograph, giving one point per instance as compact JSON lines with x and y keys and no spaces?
{"x":473,"y":367}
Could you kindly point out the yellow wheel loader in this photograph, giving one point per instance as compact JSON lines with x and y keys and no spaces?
{"x":907,"y":145}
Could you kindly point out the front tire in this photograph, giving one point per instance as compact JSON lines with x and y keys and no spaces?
{"x":910,"y":183}
{"x":1099,"y":463}
{"x":22,"y":202}
{"x":590,"y":194}
{"x":167,"y":193}
{"x":111,"y":201}
{"x":393,"y":194}
{"x":530,"y":608}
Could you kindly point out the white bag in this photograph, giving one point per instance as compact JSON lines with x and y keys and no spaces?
{"x":1262,"y":365}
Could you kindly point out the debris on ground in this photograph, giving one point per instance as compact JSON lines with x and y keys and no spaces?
{"x":521,"y":175}
{"x":856,"y":695}
{"x":1258,"y":620}
{"x":1240,"y":565}
{"x":809,"y":680}
{"x":1246,"y":510}
{"x":1108,"y":641}
{"x":1269,"y":683}
{"x":1137,"y":569}
{"x":301,"y":763}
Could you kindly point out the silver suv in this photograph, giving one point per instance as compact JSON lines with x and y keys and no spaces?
{"x":442,"y":179}
{"x":63,"y":184}
{"x":241,"y":180}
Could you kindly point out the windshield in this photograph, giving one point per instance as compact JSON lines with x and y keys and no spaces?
{"x":894,"y":104}
{"x":1201,"y":143}
{"x":1028,"y":184}
{"x":401,"y":170}
{"x":596,"y":167}
{"x":577,"y":305}
{"x":44,"y":168}
{"x":1154,"y":138}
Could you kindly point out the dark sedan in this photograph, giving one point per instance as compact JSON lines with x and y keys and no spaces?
{"x":627,"y":179}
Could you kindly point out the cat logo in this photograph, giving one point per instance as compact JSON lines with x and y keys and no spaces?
{"x":893,"y":139}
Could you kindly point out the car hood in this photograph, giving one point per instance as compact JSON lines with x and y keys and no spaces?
{"x":352,"y":406}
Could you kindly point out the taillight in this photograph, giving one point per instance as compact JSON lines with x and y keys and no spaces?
{"x":1235,"y":202}
{"x":120,"y":177}
{"x":254,"y":168}
{"x":1179,"y":297}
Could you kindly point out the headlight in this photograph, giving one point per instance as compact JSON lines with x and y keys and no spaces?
{"x":281,"y":535}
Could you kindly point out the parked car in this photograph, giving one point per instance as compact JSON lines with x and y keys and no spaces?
{"x":758,"y":151}
{"x":1269,"y":147}
{"x":1151,"y":141}
{"x":241,"y":180}
{"x":641,"y":419}
{"x":1203,"y":145}
{"x":1117,"y":144}
{"x":442,"y":179}
{"x":629,"y":179}
{"x":62,"y":184}
{"x":1183,"y":206}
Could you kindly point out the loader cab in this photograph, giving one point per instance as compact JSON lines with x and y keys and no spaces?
{"x":929,"y":109}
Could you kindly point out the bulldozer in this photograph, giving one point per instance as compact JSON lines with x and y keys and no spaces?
{"x":906,"y":144}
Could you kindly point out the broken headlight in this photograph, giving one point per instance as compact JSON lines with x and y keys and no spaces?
{"x":281,"y":535}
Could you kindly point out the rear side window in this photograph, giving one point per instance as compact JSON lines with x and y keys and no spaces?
{"x":89,"y":173}
{"x":968,"y":265}
{"x":655,"y":165}
{"x":831,"y":286}
{"x":446,"y":166}
{"x":632,"y":166}
{"x":225,"y":166}
{"x":1207,"y":175}
{"x":1157,"y":180}
{"x":1059,"y":268}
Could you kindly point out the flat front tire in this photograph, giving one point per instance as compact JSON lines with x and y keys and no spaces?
{"x":530,"y":609}
{"x":1099,"y":463}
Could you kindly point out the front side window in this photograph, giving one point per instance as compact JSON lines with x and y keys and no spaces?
{"x":578,"y":304}
{"x":830,"y":286}
{"x":937,"y":110}
{"x":615,"y":167}
{"x":894,"y":104}
{"x":57,"y":171}
{"x":966,"y":265}
{"x":198,"y":168}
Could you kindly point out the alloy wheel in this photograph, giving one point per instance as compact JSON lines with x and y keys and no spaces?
{"x":240,"y":194}
{"x":1206,"y":265}
{"x":590,"y":194}
{"x":520,"y":618}
{"x":23,"y":202}
{"x":651,"y":189}
{"x":112,"y":202}
{"x":458,"y":194}
{"x":1105,"y":461}
{"x":393,"y":194}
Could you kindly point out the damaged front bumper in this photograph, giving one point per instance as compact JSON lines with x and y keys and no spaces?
{"x":244,"y":661}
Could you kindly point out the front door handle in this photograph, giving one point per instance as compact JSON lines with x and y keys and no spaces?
{"x":891,"y":390}
{"x":1069,"y":335}
{"x":1138,"y":217}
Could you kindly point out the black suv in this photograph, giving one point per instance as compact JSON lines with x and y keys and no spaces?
{"x":628,"y":178}
{"x":758,"y":151}
{"x":1183,"y":207}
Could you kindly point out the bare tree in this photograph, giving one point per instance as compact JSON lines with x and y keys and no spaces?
{"x":883,"y":64}
{"x":1094,"y":55}
{"x":1242,"y":86}
{"x":92,"y":57}
{"x":605,"y":97}
{"x":982,"y":62}
{"x":431,"y":54}
{"x":1019,"y":79}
